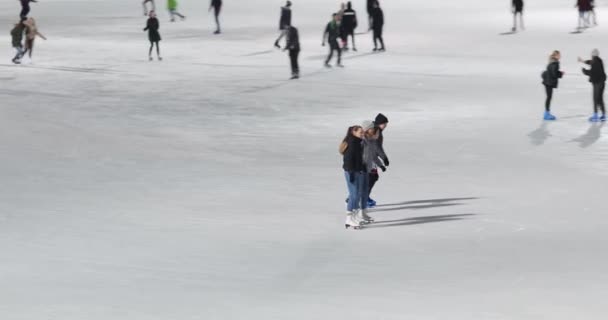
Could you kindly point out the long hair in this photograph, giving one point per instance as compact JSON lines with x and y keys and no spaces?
{"x":344,"y":144}
{"x":553,"y":56}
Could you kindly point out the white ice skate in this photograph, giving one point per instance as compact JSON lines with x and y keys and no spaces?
{"x":366,"y":217}
{"x":351,"y":222}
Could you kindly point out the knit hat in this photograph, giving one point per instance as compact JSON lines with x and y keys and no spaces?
{"x":381,"y":119}
{"x":595,"y":53}
{"x":366,"y":125}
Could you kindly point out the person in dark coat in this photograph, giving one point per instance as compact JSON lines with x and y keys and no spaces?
{"x":216,"y":5}
{"x":285,"y":20}
{"x":370,"y":9}
{"x":152,"y":27}
{"x":25,"y":7}
{"x":551,"y":78}
{"x":597,"y":77}
{"x":355,"y":173}
{"x":584,"y":8}
{"x":17,"y":39}
{"x":518,"y":9}
{"x":380,"y":123}
{"x":332,"y":34}
{"x":349,"y":24}
{"x":377,"y":26}
{"x":292,"y":43}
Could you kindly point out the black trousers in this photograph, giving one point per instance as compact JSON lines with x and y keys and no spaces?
{"x":598,"y":97}
{"x":216,"y":11}
{"x":334,"y":46}
{"x":549,"y":91}
{"x":24,"y":11}
{"x":293,"y":57}
{"x":378,"y":37}
{"x":373,"y":178}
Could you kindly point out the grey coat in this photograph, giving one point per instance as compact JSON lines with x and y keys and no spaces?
{"x":373,"y":154}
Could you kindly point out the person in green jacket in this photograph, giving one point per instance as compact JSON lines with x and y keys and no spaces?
{"x":17,"y":39}
{"x":172,"y":6}
{"x":332,"y":34}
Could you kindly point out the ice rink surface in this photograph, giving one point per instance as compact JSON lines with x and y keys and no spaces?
{"x":207,"y":186}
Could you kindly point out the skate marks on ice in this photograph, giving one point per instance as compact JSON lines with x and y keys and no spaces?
{"x":62,"y":68}
{"x":420,"y":220}
{"x":258,"y":53}
{"x":593,"y":134}
{"x":280,"y":83}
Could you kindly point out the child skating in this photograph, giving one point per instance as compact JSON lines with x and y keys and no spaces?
{"x":597,"y":77}
{"x":152,"y":27}
{"x":551,"y":78}
{"x":172,"y":6}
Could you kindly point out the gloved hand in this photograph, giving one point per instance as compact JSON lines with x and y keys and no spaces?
{"x":352,"y":177}
{"x":383,"y":168}
{"x":323,"y":44}
{"x":276,"y":44}
{"x":385,"y":161}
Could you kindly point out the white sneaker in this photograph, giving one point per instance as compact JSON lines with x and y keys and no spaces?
{"x":350,"y":221}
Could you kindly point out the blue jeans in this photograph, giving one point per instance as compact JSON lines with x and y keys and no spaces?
{"x":358,"y":191}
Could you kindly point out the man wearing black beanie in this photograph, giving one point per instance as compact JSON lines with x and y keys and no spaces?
{"x":380,"y":124}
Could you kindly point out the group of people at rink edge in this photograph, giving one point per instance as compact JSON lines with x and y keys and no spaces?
{"x":363,"y":156}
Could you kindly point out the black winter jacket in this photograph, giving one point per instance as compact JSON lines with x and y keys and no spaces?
{"x":552,"y":74}
{"x":152,"y":28}
{"x":377,"y":18}
{"x":349,"y":20}
{"x":596,"y":73}
{"x":353,"y":156}
{"x":285,"y":18}
{"x":332,"y":31}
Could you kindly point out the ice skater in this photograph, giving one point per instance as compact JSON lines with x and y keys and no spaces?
{"x":285,"y":20}
{"x":216,"y":6}
{"x":172,"y":7}
{"x":517,"y":7}
{"x":292,"y":44}
{"x":380,"y":123}
{"x":332,"y":34}
{"x":597,"y":77}
{"x":377,"y":26}
{"x":25,"y":7}
{"x":17,"y":38}
{"x":152,"y":6}
{"x":592,"y":13}
{"x":349,"y":24}
{"x":584,"y":7}
{"x":370,"y":10}
{"x":373,"y":156}
{"x":31,"y":32}
{"x":551,"y":78}
{"x":152,"y":26}
{"x":355,"y":174}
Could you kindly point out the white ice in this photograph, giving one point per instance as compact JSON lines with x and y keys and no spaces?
{"x":207,"y":186}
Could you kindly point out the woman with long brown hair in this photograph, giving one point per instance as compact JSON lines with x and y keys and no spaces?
{"x":355,"y":173}
{"x":551,"y":78}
